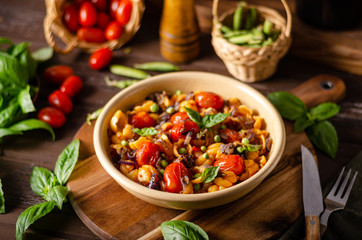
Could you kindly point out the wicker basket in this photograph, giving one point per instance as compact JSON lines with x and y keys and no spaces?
{"x":53,"y":25}
{"x":252,"y":64}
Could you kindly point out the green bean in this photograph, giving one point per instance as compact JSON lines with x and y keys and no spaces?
{"x":225,"y":29}
{"x":242,"y":39}
{"x":128,"y":72}
{"x":119,"y":84}
{"x":238,"y":17}
{"x":234,"y":33}
{"x":251,"y":18}
{"x":93,"y":116}
{"x":157,"y":66}
{"x":274,"y":36}
{"x":267,"y":26}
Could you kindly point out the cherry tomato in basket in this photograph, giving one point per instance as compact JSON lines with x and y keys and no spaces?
{"x":181,"y":129}
{"x":113,"y":31}
{"x":103,"y":20}
{"x":178,"y":117}
{"x":229,"y":135}
{"x":172,"y":176}
{"x":113,"y":6}
{"x":61,"y":101}
{"x":100,"y":58}
{"x":233,"y":163}
{"x":70,"y":17}
{"x":101,"y":5}
{"x":209,"y":99}
{"x":57,"y":74}
{"x":95,"y":35}
{"x":52,"y":116}
{"x":124,"y":11}
{"x":71,"y":86}
{"x":148,"y":153}
{"x":87,"y":14}
{"x":142,"y":120}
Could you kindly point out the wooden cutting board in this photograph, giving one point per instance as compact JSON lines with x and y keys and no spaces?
{"x":266,"y":212}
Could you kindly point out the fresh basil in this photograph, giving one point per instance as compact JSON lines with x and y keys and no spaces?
{"x":43,"y":54}
{"x":209,"y":174}
{"x":6,"y":132}
{"x":57,"y":194}
{"x":4,"y":40}
{"x":2,"y":199}
{"x":93,"y":116}
{"x":182,"y":230}
{"x":302,"y":123}
{"x":288,"y":105}
{"x":25,"y":102}
{"x":30,"y":215}
{"x":28,"y":62}
{"x":41,"y":180}
{"x":66,"y":161}
{"x":207,"y":121}
{"x":11,"y":71}
{"x":8,"y":113}
{"x":194,"y":116}
{"x":31,"y":124}
{"x":145,"y":131}
{"x":324,"y":111}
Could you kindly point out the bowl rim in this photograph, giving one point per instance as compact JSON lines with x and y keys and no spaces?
{"x":129,"y":184}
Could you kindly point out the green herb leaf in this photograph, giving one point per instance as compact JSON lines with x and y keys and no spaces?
{"x":30,"y":215}
{"x":66,"y":161}
{"x":2,"y":199}
{"x":121,"y":84}
{"x":12,"y":72}
{"x":28,"y":62}
{"x":43,"y":54}
{"x":7,"y":132}
{"x":41,"y":180}
{"x":93,"y":116}
{"x":145,"y":131}
{"x":324,"y":111}
{"x":211,"y":120}
{"x":324,"y":136}
{"x":25,"y":101}
{"x":182,"y":230}
{"x":4,"y":40}
{"x":209,"y":174}
{"x":194,"y":116}
{"x":57,"y":194}
{"x":302,"y":123}
{"x":288,"y":105}
{"x":31,"y":124}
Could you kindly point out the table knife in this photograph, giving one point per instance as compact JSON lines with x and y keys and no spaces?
{"x":312,"y":194}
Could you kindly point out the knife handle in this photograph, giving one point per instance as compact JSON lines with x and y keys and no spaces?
{"x":312,"y":227}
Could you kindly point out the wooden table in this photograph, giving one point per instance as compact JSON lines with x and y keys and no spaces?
{"x":22,"y":21}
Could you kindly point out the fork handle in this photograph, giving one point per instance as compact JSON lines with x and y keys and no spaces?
{"x":312,"y":227}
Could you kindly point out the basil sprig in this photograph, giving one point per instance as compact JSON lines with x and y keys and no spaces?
{"x":209,"y":174}
{"x":2,"y":199}
{"x":145,"y":131}
{"x":207,"y":121}
{"x":50,"y":186}
{"x":320,"y":131}
{"x":182,"y":230}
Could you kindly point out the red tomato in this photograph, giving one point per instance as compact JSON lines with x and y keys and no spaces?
{"x":113,"y":31}
{"x":229,"y":135}
{"x":87,"y":15}
{"x":178,"y":117}
{"x":233,"y":163}
{"x":61,"y":101}
{"x":180,"y":130}
{"x":124,"y":11}
{"x":209,"y":99}
{"x":71,"y":86}
{"x":101,"y":5}
{"x":91,"y":35}
{"x":148,"y":154}
{"x":113,"y":6}
{"x":103,"y":20}
{"x":52,"y":116}
{"x":70,"y":17}
{"x":142,"y":120}
{"x":57,"y":74}
{"x":172,"y":176}
{"x":100,"y":58}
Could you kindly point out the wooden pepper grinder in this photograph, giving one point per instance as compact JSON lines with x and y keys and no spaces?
{"x":179,"y":31}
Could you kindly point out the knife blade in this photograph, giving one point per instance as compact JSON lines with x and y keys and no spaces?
{"x":312,"y":194}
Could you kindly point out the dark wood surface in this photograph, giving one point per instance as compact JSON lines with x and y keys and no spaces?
{"x":22,"y":21}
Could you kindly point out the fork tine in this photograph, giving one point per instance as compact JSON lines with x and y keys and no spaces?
{"x":333,"y":190}
{"x":346,"y":195}
{"x":341,"y":189}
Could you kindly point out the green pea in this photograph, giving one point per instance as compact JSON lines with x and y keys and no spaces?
{"x":164,"y":163}
{"x":206,"y":155}
{"x":217,"y":138}
{"x":178,"y":92}
{"x":197,"y":175}
{"x":223,"y":126}
{"x":182,"y":150}
{"x":154,"y":108}
{"x":162,"y":171}
{"x":197,"y":187}
{"x":203,"y":148}
{"x":124,"y":143}
{"x":170,"y":110}
{"x":239,"y":149}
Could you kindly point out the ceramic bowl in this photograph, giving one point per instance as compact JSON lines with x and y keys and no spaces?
{"x":186,"y":82}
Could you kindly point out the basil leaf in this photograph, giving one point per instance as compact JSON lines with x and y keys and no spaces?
{"x":288,"y":105}
{"x":324,"y":111}
{"x":43,"y":54}
{"x":145,"y":131}
{"x":28,"y":62}
{"x":11,"y":71}
{"x":194,"y":116}
{"x":30,"y":215}
{"x":25,"y":101}
{"x":57,"y":194}
{"x":4,"y":40}
{"x":93,"y":116}
{"x":66,"y":161}
{"x":209,"y":174}
{"x":9,"y":113}
{"x":2,"y":199}
{"x":324,"y":136}
{"x":17,"y":49}
{"x":31,"y":124}
{"x":6,"y":132}
{"x":41,"y":180}
{"x":211,"y":120}
{"x":302,"y":123}
{"x":182,"y":230}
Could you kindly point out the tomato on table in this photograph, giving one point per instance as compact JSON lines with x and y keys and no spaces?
{"x":52,"y":116}
{"x":124,"y":12}
{"x":181,"y":129}
{"x":70,"y":17}
{"x":87,"y":14}
{"x":178,"y":117}
{"x":61,"y":101}
{"x":71,"y":86}
{"x":113,"y":31}
{"x":229,"y":135}
{"x":57,"y":74}
{"x":142,"y":120}
{"x":209,"y":99}
{"x":233,"y":163}
{"x":103,"y":20}
{"x":148,"y":154}
{"x":172,"y":176}
{"x":100,"y":58}
{"x":101,"y":5}
{"x":91,"y":34}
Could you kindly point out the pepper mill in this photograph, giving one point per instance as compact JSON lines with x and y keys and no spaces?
{"x":179,"y":31}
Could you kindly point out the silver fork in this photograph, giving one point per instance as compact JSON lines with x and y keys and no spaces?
{"x":336,"y":200}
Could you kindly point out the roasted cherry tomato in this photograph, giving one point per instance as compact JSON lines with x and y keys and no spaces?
{"x":57,"y":74}
{"x":61,"y":101}
{"x":71,"y":86}
{"x":87,"y":14}
{"x":113,"y":6}
{"x":100,"y":58}
{"x":113,"y":31}
{"x":178,"y":117}
{"x":70,"y":18}
{"x":52,"y":116}
{"x":91,"y":35}
{"x":229,"y":135}
{"x":172,"y":176}
{"x":181,"y":129}
{"x":148,"y":154}
{"x":101,"y":5}
{"x":209,"y":99}
{"x":233,"y":163}
{"x":142,"y":120}
{"x":124,"y":11}
{"x":103,"y":20}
